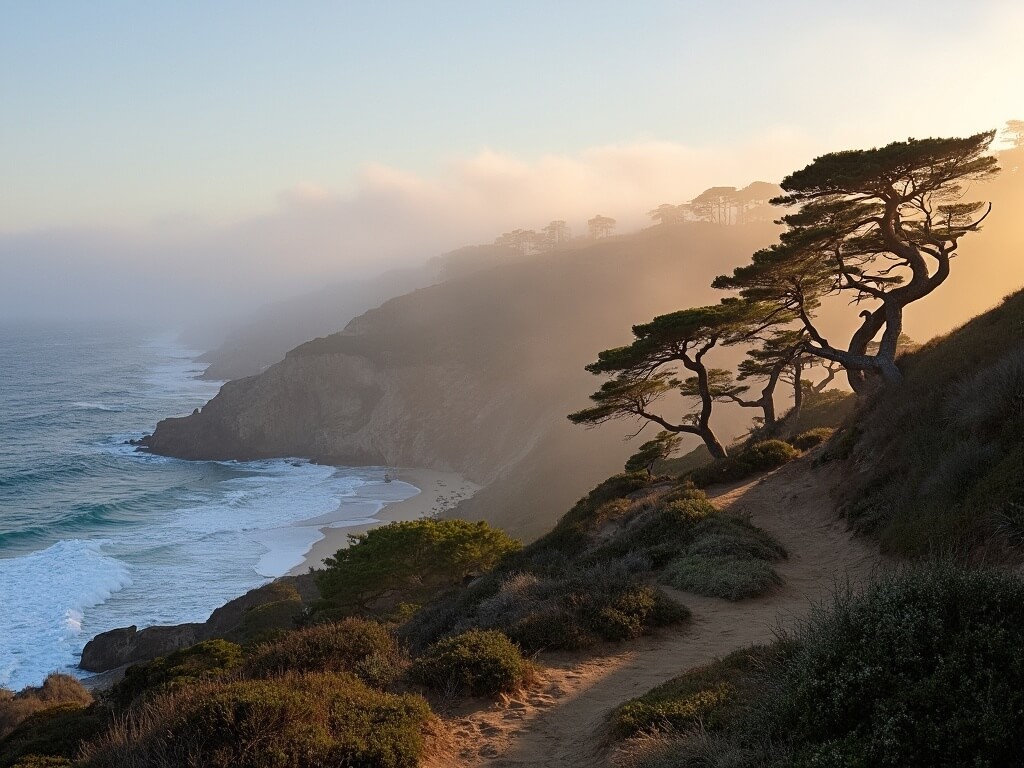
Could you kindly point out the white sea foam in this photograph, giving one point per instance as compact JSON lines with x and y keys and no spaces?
{"x":205,"y":533}
{"x":42,"y":618}
{"x":98,"y":407}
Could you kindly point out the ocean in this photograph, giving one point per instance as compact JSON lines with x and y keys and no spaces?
{"x":96,"y":535}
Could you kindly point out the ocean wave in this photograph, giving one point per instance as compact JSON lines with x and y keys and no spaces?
{"x":99,"y":407}
{"x":43,"y":616}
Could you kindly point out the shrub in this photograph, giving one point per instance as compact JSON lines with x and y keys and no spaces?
{"x":56,"y":690}
{"x":723,"y":535}
{"x":478,"y":662}
{"x":605,"y":601}
{"x":731,"y":578}
{"x":712,"y":696}
{"x":51,"y":736}
{"x":415,"y":559}
{"x":305,"y":721}
{"x":360,"y":647}
{"x":925,"y":668}
{"x":811,"y":438}
{"x":268,"y":621}
{"x":757,"y":457}
{"x":203,"y":661}
{"x":768,"y":454}
{"x":728,"y":470}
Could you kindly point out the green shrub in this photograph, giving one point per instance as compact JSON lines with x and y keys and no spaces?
{"x":304,"y":721}
{"x":811,"y":438}
{"x":478,"y":662}
{"x":757,"y":457}
{"x":360,"y":647}
{"x":207,"y":660}
{"x":731,"y":578}
{"x":605,"y":601}
{"x":925,"y":668}
{"x":56,"y":690}
{"x":720,"y":471}
{"x":51,"y":734}
{"x":723,"y":535}
{"x":268,"y":621}
{"x":768,"y":454}
{"x":415,"y":559}
{"x":711,"y":696}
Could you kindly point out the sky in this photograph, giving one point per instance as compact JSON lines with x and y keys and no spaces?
{"x":298,"y":141}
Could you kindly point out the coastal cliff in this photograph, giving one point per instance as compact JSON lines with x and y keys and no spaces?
{"x":473,"y":375}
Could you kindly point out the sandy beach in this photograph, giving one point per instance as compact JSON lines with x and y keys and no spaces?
{"x":438,"y":491}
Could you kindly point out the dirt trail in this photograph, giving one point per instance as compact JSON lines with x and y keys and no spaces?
{"x":561,"y":721}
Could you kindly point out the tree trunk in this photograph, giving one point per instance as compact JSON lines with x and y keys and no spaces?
{"x":714,"y":445}
{"x":798,"y":400}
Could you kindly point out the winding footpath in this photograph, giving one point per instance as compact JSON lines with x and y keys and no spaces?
{"x":561,"y":722}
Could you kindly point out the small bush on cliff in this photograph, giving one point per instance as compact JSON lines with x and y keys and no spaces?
{"x":478,"y":662}
{"x":569,"y":610}
{"x":207,"y":660}
{"x":357,"y":646}
{"x":711,"y":697}
{"x":306,"y":721}
{"x":414,"y":560}
{"x":51,"y":737}
{"x":812,"y":438}
{"x":730,"y":578}
{"x":56,"y":690}
{"x":758,"y":457}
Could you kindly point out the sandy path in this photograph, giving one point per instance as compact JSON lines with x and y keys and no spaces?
{"x":561,"y":722}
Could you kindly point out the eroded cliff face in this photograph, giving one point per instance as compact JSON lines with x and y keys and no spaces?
{"x":474,"y":375}
{"x":345,"y":409}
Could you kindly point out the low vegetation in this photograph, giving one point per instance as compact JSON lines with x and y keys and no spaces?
{"x":589,"y":580}
{"x":52,"y":736}
{"x":356,"y":646}
{"x":208,"y":660}
{"x":56,"y":691}
{"x":812,"y":438}
{"x":408,"y":562}
{"x":753,"y":459}
{"x":941,"y":460}
{"x":924,"y":668}
{"x":477,"y":662}
{"x":710,"y":697}
{"x":305,"y":721}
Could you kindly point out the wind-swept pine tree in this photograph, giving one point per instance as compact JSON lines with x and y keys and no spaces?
{"x":646,"y":371}
{"x":879,"y":226}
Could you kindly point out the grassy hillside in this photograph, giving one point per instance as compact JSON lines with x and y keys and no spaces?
{"x":938,"y":462}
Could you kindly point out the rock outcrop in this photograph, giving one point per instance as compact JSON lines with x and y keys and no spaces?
{"x":241,"y":619}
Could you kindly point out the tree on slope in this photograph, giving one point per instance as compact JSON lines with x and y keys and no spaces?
{"x":879,"y":226}
{"x":778,"y":359}
{"x":646,"y":371}
{"x":650,"y":453}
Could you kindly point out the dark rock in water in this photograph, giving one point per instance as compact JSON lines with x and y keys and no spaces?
{"x":128,"y":645}
{"x":235,"y":620}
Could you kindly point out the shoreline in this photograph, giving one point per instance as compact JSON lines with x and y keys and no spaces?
{"x":436,"y":492}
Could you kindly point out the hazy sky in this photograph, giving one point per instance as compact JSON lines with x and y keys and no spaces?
{"x":195,"y":127}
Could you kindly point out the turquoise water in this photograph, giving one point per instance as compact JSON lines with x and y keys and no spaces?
{"x":95,"y":535}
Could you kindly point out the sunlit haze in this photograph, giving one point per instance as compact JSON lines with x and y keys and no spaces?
{"x":247,"y":151}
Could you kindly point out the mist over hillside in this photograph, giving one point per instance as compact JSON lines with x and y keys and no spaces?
{"x":474,"y":374}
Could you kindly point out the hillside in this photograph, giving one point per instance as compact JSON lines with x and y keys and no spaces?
{"x":771,"y":633}
{"x":938,"y":462}
{"x":474,"y":374}
{"x":264,"y":337}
